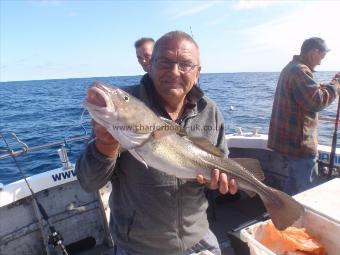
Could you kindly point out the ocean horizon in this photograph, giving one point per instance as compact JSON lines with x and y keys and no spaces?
{"x":140,"y":75}
{"x":44,"y":111}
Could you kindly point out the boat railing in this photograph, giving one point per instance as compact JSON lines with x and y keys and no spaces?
{"x":327,"y":119}
{"x":26,"y":149}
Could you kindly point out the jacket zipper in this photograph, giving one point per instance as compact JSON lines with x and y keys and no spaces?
{"x":179,"y":214}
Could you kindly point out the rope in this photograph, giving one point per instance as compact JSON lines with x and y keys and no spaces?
{"x":25,"y":149}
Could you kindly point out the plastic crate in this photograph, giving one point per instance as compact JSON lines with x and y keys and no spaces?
{"x":248,"y":235}
{"x":317,"y":223}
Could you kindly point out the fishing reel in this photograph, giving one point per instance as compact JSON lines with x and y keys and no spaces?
{"x":323,"y":169}
{"x":56,"y":240}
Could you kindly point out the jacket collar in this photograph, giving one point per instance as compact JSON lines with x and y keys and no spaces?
{"x":299,"y":59}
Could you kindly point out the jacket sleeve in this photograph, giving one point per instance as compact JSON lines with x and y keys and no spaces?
{"x":93,"y":169}
{"x":310,"y":95}
{"x":221,"y":141}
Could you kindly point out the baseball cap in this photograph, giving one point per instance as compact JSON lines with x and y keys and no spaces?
{"x":314,"y":43}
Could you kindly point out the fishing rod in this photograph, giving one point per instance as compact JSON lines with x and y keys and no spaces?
{"x":192,"y":35}
{"x":334,"y":140}
{"x":55,"y":237}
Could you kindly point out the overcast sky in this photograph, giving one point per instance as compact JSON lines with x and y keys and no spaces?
{"x":53,"y":39}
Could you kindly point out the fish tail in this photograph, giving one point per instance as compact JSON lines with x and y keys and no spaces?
{"x":282,"y":208}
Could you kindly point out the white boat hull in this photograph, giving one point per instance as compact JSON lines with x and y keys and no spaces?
{"x":80,"y":217}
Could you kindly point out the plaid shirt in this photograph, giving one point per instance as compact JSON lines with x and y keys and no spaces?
{"x":298,"y":99}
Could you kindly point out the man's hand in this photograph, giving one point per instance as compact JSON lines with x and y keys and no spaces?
{"x":219,"y":181}
{"x":105,"y":143}
{"x":337,"y":76}
{"x":336,"y":81}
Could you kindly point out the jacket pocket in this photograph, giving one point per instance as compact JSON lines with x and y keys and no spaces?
{"x":124,"y":225}
{"x":309,"y":141}
{"x":130,"y":225}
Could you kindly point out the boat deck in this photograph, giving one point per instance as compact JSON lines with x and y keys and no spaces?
{"x":78,"y":215}
{"x":228,"y":215}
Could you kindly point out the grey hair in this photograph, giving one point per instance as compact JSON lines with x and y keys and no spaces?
{"x":313,"y":43}
{"x":173,"y":35}
{"x":143,"y":40}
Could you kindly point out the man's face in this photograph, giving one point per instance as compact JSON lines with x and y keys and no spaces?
{"x":316,"y":56}
{"x":144,"y":53}
{"x":175,"y":69}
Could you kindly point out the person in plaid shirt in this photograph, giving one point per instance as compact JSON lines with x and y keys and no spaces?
{"x":294,"y":119}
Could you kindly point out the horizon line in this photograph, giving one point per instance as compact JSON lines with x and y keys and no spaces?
{"x":93,"y":77}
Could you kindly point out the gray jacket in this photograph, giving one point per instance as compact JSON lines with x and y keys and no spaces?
{"x":151,"y":212}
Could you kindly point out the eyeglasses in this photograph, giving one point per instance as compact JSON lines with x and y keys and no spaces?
{"x":184,"y":67}
{"x":144,"y":58}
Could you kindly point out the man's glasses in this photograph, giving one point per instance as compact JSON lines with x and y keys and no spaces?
{"x":144,"y":58}
{"x":184,"y":67}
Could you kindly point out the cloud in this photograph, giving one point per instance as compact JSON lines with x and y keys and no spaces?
{"x":47,"y":2}
{"x":218,"y":20}
{"x":194,"y":9}
{"x":298,"y":25}
{"x":284,"y":34}
{"x":251,"y":4}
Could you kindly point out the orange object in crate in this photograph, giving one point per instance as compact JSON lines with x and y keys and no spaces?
{"x":291,"y":239}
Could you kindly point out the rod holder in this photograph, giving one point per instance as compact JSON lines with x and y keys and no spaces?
{"x":64,"y":158}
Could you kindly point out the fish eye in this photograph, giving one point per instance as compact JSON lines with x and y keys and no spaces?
{"x":126,"y":98}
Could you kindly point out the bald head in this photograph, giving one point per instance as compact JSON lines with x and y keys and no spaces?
{"x":171,"y":37}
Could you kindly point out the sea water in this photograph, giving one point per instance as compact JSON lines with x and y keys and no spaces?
{"x":45,"y":111}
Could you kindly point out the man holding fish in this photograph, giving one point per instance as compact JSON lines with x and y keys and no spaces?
{"x":151,"y":154}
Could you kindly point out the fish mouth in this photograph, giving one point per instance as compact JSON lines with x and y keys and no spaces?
{"x":96,"y":97}
{"x":99,"y":95}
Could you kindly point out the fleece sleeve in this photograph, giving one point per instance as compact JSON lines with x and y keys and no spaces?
{"x":93,"y":169}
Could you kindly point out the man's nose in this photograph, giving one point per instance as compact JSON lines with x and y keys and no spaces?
{"x":175,"y":68}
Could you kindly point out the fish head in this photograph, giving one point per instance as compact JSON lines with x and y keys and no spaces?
{"x":125,"y":117}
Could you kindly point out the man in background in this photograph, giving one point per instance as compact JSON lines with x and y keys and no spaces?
{"x":144,"y":48}
{"x":293,"y":126}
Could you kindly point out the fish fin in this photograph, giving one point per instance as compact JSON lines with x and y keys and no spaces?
{"x":168,"y":130}
{"x":282,"y":208}
{"x":138,"y":157}
{"x":252,"y":165}
{"x":121,"y":150}
{"x":174,"y":127}
{"x":249,"y":193}
{"x":206,"y":145}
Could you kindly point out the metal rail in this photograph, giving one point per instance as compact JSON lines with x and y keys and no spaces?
{"x":28,"y":149}
{"x":327,"y":119}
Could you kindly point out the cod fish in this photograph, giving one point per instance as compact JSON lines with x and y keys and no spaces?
{"x":164,"y":145}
